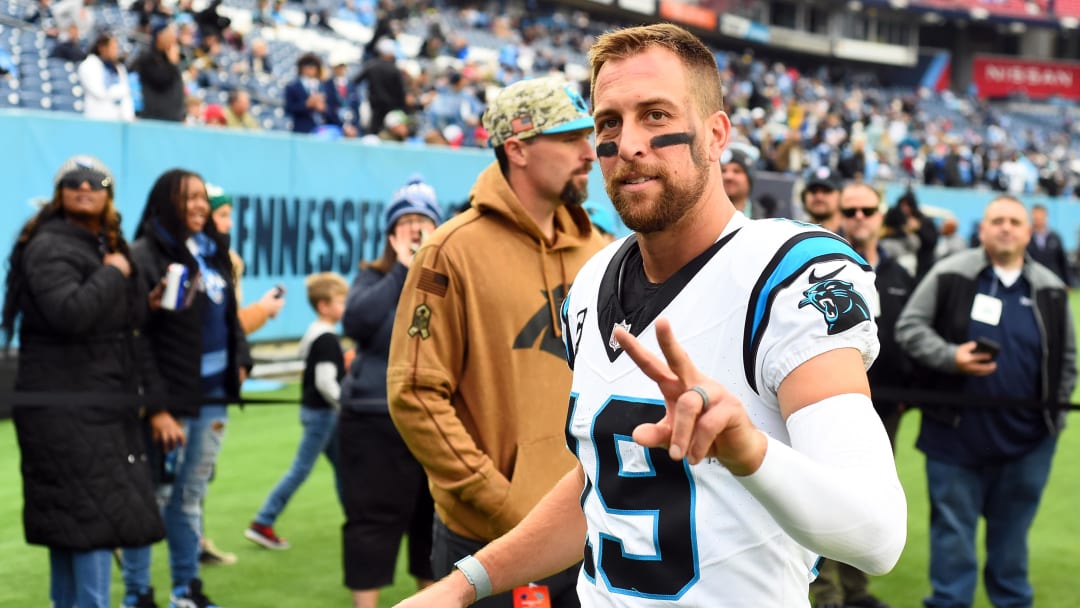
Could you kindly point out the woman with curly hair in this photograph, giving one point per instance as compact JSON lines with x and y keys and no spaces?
{"x":77,"y":306}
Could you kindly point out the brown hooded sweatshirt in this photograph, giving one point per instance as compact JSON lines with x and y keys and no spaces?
{"x":477,"y":382}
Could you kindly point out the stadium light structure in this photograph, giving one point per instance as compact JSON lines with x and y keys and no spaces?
{"x":1070,"y":23}
{"x":898,"y":4}
{"x":979,"y":13}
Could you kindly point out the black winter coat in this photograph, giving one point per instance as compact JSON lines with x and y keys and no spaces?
{"x":162,"y":86}
{"x":893,"y":368}
{"x":175,"y":336}
{"x":86,"y":481}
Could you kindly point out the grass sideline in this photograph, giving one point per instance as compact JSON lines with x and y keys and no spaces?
{"x":261,"y":442}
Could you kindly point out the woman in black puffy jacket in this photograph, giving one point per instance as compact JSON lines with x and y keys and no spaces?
{"x":86,"y":479}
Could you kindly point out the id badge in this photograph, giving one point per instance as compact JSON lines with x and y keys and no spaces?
{"x":986,"y":309}
{"x":532,"y":596}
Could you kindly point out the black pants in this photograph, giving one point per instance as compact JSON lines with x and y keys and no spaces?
{"x":385,"y":495}
{"x":448,"y":547}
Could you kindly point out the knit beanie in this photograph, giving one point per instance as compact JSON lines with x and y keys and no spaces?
{"x":415,"y":197}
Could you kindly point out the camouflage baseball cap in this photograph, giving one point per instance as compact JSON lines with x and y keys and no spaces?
{"x":534,"y":107}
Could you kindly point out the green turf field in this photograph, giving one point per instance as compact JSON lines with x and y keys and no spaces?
{"x":260,"y":445}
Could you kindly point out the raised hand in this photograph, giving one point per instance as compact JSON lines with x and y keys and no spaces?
{"x":702,"y":419}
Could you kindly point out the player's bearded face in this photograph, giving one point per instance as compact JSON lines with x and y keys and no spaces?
{"x":645,"y":212}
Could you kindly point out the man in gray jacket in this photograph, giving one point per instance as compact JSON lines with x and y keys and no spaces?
{"x":989,"y":322}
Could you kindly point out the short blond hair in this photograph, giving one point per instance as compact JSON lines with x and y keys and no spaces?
{"x":324,"y":286}
{"x":703,"y":75}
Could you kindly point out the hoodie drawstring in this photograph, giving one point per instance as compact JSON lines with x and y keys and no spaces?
{"x":552,"y":307}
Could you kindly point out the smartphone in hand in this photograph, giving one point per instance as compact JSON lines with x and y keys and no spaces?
{"x":987,"y":346}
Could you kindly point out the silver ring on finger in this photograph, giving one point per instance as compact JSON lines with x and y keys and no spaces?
{"x":697,"y":388}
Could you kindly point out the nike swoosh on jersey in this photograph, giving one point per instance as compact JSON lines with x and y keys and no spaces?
{"x":817,"y":279}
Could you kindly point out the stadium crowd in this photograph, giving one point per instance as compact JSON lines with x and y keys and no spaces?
{"x":425,"y":73}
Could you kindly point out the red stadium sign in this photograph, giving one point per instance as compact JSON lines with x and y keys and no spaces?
{"x":1004,"y":76}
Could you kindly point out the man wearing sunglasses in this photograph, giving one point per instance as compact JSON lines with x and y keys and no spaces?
{"x":821,"y":199}
{"x":859,"y":219}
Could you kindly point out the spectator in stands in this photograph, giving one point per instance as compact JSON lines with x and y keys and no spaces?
{"x":278,"y":13}
{"x":320,"y":401}
{"x":738,"y":174}
{"x":373,"y":454}
{"x":187,"y":38}
{"x":525,"y":207}
{"x":104,"y":79}
{"x":981,"y":461}
{"x":385,"y":84}
{"x":310,"y":101}
{"x":199,"y":347}
{"x":821,"y":199}
{"x":950,"y":240}
{"x":214,"y":116}
{"x":69,"y":13}
{"x":70,"y":48}
{"x":87,"y":487}
{"x":454,"y":104}
{"x":958,"y":170}
{"x":259,"y":60}
{"x":263,"y":14}
{"x":211,"y":23}
{"x":923,"y":228}
{"x":237,"y":111}
{"x":1015,"y":174}
{"x":395,"y":128}
{"x":1046,"y":246}
{"x":162,"y":85}
{"x":40,"y":12}
{"x":434,"y":44}
{"x":194,"y":111}
{"x":317,"y":12}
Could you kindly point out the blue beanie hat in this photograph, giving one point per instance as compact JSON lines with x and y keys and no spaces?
{"x":415,"y":197}
{"x":157,"y":24}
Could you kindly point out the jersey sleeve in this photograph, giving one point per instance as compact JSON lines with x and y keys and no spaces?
{"x":816,"y":295}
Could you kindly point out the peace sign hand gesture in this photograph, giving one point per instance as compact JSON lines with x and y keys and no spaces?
{"x":702,"y":418}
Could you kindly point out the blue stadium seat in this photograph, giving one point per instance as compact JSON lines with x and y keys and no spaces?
{"x":34,"y":100}
{"x":66,"y":103}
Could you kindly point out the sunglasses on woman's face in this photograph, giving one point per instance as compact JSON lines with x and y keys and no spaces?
{"x":866,"y":211}
{"x":95,"y":179}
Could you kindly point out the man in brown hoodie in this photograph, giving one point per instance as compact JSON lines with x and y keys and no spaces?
{"x":477,"y":379}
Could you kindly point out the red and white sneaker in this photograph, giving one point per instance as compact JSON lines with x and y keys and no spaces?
{"x":265,"y":536}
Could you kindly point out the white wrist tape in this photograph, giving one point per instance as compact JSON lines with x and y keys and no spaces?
{"x":476,"y":574}
{"x":835,"y":489}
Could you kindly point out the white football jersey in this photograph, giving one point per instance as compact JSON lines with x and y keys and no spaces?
{"x":768,"y":296}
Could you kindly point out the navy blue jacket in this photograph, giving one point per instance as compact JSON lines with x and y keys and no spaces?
{"x":305,"y":119}
{"x":369,"y":321}
{"x":937,"y":319}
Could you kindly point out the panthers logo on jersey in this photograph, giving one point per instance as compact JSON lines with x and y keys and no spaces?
{"x":842,"y":306}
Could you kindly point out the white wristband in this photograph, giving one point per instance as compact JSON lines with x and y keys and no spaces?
{"x":476,"y":574}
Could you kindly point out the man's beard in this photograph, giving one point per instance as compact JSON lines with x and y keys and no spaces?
{"x":675,"y":200}
{"x":572,"y":196}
